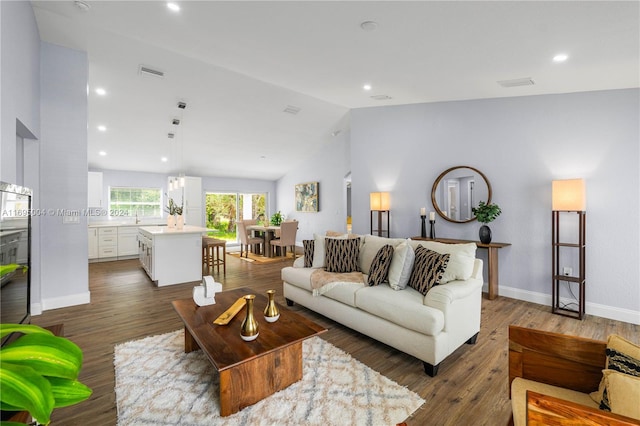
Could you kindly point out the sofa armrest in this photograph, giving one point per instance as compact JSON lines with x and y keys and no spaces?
{"x":548,"y":410}
{"x":556,"y":359}
{"x":299,"y":262}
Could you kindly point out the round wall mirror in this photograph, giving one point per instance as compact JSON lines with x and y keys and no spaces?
{"x":457,"y":190}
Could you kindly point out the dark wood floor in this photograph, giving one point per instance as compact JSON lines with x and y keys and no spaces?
{"x":470,"y":388}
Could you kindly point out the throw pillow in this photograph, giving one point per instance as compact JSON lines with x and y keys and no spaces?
{"x":623,"y":393}
{"x":461,"y":262}
{"x":308,"y":252}
{"x":622,"y":356}
{"x":427,"y":269}
{"x":401,"y":266}
{"x":380,"y":265}
{"x":341,"y":255}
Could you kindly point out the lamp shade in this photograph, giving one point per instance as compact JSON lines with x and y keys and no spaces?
{"x":568,"y":195}
{"x":379,"y":201}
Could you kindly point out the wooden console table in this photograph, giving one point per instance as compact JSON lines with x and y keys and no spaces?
{"x":492,"y":249}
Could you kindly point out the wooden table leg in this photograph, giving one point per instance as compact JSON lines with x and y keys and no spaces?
{"x":249,"y":382}
{"x":493,"y":272}
{"x":190,"y":343}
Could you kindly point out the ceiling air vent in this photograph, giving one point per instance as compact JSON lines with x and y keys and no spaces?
{"x":381,"y":97}
{"x":527,"y":81}
{"x":144,"y":70}
{"x":290,"y":109}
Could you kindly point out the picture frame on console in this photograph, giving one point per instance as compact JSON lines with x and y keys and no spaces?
{"x":307,"y":197}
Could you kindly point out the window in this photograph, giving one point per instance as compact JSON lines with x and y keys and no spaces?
{"x":140,"y":202}
{"x":225,"y":209}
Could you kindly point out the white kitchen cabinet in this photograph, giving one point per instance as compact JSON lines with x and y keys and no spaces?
{"x":190,"y":196}
{"x":127,"y":241}
{"x":93,"y":243}
{"x":107,"y":242}
{"x":94,"y":195}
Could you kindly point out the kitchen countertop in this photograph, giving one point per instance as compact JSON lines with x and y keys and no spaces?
{"x":118,"y":224}
{"x":165,"y":230}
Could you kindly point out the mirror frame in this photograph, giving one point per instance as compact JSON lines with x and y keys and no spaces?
{"x":439,"y":179}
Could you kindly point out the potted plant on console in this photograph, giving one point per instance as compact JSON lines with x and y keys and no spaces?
{"x":486,"y":213}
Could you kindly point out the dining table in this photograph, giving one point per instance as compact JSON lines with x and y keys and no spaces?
{"x":270,"y":233}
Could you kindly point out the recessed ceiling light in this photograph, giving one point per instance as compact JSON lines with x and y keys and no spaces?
{"x":102,"y":153}
{"x":102,"y":128}
{"x":560,"y":57}
{"x":173,"y":7}
{"x":100,"y":91}
{"x":367,"y":87}
{"x":369,"y":25}
{"x":164,"y":159}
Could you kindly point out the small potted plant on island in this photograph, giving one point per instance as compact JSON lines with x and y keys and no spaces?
{"x":486,"y":213}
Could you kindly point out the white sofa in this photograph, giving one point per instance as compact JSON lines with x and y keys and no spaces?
{"x":427,"y":327}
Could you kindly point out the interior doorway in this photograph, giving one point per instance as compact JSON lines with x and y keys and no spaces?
{"x":347,"y":202}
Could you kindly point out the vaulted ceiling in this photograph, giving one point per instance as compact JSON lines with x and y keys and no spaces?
{"x":238,"y":65}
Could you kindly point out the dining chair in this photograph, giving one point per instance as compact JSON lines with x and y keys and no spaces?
{"x":246,"y":239}
{"x":288,"y":231}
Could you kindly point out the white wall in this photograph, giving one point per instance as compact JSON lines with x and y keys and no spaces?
{"x":63,"y":175}
{"x":328,"y":166}
{"x":19,"y":81}
{"x":521,"y":145}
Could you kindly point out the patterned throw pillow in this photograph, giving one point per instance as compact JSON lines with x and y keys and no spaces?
{"x":428,"y":268}
{"x":380,"y":266}
{"x":341,"y":255}
{"x":622,"y":356}
{"x":308,"y":253}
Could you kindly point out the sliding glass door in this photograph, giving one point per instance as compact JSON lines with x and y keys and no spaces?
{"x":224,"y":209}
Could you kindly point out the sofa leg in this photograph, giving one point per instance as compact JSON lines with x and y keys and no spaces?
{"x":473,"y":339}
{"x":289,"y":302}
{"x":431,"y":370}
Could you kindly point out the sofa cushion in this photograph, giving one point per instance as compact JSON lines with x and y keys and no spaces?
{"x":428,"y":268}
{"x":404,"y":308}
{"x":380,"y":265}
{"x":370,"y":246}
{"x":307,"y":246}
{"x":460,"y":266}
{"x":622,"y":356}
{"x":299,"y":277}
{"x":520,"y":386}
{"x":341,"y":255}
{"x":401,"y":266}
{"x":622,"y":393}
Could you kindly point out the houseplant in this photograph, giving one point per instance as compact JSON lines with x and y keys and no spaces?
{"x":486,"y":213}
{"x":39,"y":372}
{"x":277,"y":218}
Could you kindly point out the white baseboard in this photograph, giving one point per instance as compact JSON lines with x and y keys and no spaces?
{"x":63,"y":302}
{"x":604,"y":311}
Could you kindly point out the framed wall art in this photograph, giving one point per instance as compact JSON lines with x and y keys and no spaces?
{"x":307,"y":197}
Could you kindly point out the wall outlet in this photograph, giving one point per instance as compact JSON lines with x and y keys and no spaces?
{"x":567,"y":271}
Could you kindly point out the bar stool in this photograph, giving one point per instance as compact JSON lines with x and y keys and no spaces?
{"x":211,"y":254}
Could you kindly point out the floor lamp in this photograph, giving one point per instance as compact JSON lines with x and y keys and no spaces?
{"x":568,"y":197}
{"x":379,"y":203}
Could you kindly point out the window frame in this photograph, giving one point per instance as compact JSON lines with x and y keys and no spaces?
{"x":116,"y":211}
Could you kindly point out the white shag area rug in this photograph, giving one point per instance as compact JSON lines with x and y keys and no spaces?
{"x":158,"y":384}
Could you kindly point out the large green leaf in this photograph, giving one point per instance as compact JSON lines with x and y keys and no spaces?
{"x":47,"y":354}
{"x":22,"y":387}
{"x":68,"y":392}
{"x":6,"y":329}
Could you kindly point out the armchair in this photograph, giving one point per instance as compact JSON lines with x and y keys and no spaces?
{"x":551,"y":376}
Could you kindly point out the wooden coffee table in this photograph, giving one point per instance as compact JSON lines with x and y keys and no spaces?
{"x":249,"y":371}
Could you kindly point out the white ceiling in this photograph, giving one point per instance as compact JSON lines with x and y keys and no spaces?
{"x":239,"y":64}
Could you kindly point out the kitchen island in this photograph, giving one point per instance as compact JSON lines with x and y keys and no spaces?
{"x":170,"y":255}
